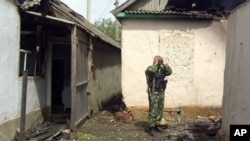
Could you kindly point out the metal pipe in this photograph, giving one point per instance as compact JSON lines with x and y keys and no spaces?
{"x":88,"y":9}
{"x":49,"y":17}
{"x":25,"y":57}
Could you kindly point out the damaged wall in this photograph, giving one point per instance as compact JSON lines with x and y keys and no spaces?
{"x":236,"y":79}
{"x":11,"y":83}
{"x":197,"y":60}
{"x":106,"y":69}
{"x":106,"y":74}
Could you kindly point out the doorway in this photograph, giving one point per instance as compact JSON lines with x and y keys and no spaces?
{"x":61,"y":74}
{"x":57,"y":85}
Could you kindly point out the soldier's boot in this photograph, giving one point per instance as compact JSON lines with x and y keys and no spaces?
{"x":151,"y":131}
{"x":158,"y":128}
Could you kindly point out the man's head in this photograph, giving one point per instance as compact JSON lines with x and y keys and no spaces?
{"x":158,"y":60}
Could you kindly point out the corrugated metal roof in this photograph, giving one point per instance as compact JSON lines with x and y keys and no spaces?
{"x":162,"y":7}
{"x":159,"y":12}
{"x":148,"y":5}
{"x":197,"y":14}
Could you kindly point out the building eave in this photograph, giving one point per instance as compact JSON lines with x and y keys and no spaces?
{"x":121,"y":15}
{"x":123,"y":6}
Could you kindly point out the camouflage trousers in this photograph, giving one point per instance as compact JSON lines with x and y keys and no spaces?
{"x":156,"y":106}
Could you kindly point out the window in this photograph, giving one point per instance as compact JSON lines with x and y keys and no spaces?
{"x":30,"y":62}
{"x":28,"y":45}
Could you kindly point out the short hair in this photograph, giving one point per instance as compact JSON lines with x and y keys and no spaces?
{"x":157,"y":58}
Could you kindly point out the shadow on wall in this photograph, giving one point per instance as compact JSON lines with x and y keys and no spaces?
{"x":105,"y":56}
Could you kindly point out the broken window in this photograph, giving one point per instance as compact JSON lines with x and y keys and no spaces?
{"x":28,"y":48}
{"x":32,"y":49}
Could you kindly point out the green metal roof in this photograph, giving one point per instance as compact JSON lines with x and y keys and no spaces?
{"x":160,"y":9}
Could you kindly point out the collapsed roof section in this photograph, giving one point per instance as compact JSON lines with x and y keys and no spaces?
{"x":55,"y":9}
{"x":26,"y":4}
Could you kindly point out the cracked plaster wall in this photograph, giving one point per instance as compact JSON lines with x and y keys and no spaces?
{"x":195,"y":49}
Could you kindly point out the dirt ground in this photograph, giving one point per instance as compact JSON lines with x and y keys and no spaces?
{"x":117,"y":122}
{"x":105,"y":127}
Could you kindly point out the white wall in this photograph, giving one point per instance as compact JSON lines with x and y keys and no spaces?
{"x":237,"y":78}
{"x":11,"y":83}
{"x":195,"y":49}
{"x":36,"y":94}
{"x":9,"y":53}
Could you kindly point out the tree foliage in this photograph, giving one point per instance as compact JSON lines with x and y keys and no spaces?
{"x":108,"y":26}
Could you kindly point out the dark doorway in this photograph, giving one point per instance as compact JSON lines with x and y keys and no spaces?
{"x":61,"y":74}
{"x":57,"y":85}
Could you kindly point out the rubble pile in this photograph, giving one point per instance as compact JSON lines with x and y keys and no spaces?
{"x":199,"y":128}
{"x":123,"y":116}
{"x":48,"y":131}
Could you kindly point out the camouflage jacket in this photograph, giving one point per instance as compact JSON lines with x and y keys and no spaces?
{"x":153,"y":70}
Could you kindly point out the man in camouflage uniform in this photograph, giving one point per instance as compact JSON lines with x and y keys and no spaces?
{"x":156,"y":81}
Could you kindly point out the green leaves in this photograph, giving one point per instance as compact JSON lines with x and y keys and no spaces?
{"x":108,"y":26}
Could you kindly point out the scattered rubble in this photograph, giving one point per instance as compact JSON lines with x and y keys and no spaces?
{"x":123,"y":116}
{"x":126,"y":125}
{"x":48,"y":131}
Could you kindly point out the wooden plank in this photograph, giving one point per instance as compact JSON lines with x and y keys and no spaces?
{"x":23,"y":106}
{"x":45,"y":136}
{"x":37,"y":133}
{"x":73,"y":77}
{"x":89,"y":75}
{"x":81,"y":83}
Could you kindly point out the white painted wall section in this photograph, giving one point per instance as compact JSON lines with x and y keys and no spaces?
{"x":237,"y":77}
{"x":9,"y":54}
{"x":195,"y":49}
{"x":11,"y":82}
